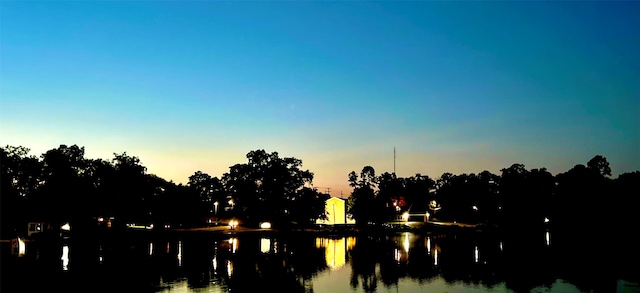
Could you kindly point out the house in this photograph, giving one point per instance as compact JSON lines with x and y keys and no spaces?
{"x":37,"y":227}
{"x":336,"y":211}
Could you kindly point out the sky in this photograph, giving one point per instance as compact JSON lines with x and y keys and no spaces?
{"x":453,"y":86}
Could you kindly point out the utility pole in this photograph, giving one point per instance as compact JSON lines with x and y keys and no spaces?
{"x":394,"y":160}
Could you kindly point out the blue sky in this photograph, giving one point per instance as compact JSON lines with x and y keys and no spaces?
{"x":455,"y":86}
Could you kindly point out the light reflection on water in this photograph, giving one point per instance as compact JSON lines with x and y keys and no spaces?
{"x":265,"y":245}
{"x":546,"y":238}
{"x":179,"y":256}
{"x":65,"y":257}
{"x":407,"y":262}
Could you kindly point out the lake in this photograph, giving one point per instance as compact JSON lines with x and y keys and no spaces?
{"x":465,"y":261}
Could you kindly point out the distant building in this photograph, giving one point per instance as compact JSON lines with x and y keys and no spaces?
{"x":37,"y":227}
{"x":336,"y":210}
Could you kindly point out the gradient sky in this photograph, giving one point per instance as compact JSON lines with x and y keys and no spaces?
{"x":455,"y":86}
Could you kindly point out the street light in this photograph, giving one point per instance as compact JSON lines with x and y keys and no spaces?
{"x":215,"y":206}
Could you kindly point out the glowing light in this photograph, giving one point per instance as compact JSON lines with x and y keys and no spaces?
{"x":66,"y":227}
{"x":546,"y":220}
{"x":265,"y":225}
{"x":265,"y":245}
{"x":500,"y":245}
{"x":100,"y":219}
{"x":405,"y":243}
{"x":234,"y":244}
{"x":428,"y":244}
{"x":179,"y":253}
{"x":22,"y":247}
{"x":215,"y":263}
{"x":65,"y":258}
{"x":546,"y":238}
{"x":475,"y":208}
{"x":229,"y":268}
{"x":351,"y":243}
{"x":150,"y":248}
{"x":405,"y":216}
{"x":319,"y":242}
{"x":335,"y":253}
{"x":435,"y":257}
{"x":100,"y":259}
{"x":233,"y":224}
{"x":476,"y":254}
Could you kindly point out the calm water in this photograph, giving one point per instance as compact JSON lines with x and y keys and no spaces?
{"x":404,"y":262}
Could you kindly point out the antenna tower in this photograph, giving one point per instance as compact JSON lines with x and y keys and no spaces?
{"x":394,"y":160}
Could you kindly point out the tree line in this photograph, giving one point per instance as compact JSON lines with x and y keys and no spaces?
{"x":63,"y":186}
{"x":584,"y":198}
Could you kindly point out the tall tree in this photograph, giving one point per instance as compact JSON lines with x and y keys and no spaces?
{"x":264,"y":187}
{"x":63,"y":196}
{"x":133,"y":194}
{"x":20,"y":177}
{"x":210,"y":190}
{"x":600,"y":164}
{"x":364,"y":203}
{"x":580,"y":195}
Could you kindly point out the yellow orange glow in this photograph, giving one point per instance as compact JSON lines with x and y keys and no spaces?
{"x":22,"y":248}
{"x":229,"y":268}
{"x":265,"y":245}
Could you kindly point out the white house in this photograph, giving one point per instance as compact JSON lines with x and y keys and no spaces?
{"x":336,"y":210}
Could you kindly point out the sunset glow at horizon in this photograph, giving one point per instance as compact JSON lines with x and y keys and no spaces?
{"x":457,"y":87}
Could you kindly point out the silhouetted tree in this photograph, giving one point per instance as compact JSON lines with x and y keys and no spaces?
{"x":20,"y":177}
{"x":600,"y":164}
{"x":263,"y":189}
{"x":307,"y":205}
{"x":417,"y":191}
{"x":580,"y":196}
{"x":63,"y":196}
{"x":364,"y":203}
{"x":391,"y":194}
{"x":210,"y":190}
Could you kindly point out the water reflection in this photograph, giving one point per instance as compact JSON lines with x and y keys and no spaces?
{"x":406,"y":261}
{"x":100,"y":258}
{"x":65,"y":257}
{"x":476,"y":254}
{"x":229,"y":268}
{"x":265,"y":245}
{"x":336,"y":250}
{"x":546,"y":238}
{"x":179,"y":256}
